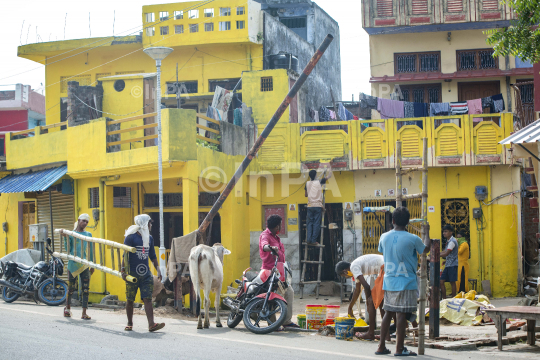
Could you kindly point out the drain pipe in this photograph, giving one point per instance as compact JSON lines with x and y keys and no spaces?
{"x":102,"y":224}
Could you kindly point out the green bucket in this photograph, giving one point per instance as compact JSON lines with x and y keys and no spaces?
{"x":301,"y":321}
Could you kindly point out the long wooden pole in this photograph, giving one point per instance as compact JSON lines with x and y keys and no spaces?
{"x":399,"y":176}
{"x":266,"y":132}
{"x":423,"y":263}
{"x":98,"y":240}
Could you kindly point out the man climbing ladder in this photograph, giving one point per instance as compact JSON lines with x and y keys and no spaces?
{"x":314,"y":193}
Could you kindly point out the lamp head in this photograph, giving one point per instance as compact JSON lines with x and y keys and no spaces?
{"x":158,"y":52}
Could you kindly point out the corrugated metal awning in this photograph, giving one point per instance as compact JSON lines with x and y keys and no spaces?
{"x":32,"y":181}
{"x":529,"y":134}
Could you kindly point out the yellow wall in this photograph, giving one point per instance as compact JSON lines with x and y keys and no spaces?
{"x":29,"y":151}
{"x":9,"y":212}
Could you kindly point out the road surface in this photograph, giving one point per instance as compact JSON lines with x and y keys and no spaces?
{"x":30,"y":331}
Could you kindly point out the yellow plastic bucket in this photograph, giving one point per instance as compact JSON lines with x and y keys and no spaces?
{"x":315,"y":316}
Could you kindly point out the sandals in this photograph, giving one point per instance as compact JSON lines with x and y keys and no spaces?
{"x":128,"y":328}
{"x":291,"y":326}
{"x":86,"y":317}
{"x":156,"y":327}
{"x":67,"y":313}
{"x":406,"y":352}
{"x":384,"y":352}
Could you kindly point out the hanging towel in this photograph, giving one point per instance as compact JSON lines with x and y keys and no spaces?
{"x":420,"y":109}
{"x":237,"y":117}
{"x":342,"y":112}
{"x":316,"y":116}
{"x":487,"y":102}
{"x":498,"y":103}
{"x":408,"y":109}
{"x":324,"y":114}
{"x":475,"y":106}
{"x":390,"y":108}
{"x":439,"y":109}
{"x":355,"y":117}
{"x":332,"y":115}
{"x":367,"y":103}
{"x":459,"y":108}
{"x":311,"y":113}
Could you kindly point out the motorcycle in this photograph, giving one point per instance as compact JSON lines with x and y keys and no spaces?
{"x":257,"y":301}
{"x":39,"y":281}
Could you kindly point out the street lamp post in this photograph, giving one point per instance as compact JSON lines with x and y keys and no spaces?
{"x":158,"y":54}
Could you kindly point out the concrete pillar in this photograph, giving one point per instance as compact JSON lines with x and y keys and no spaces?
{"x":190,"y":199}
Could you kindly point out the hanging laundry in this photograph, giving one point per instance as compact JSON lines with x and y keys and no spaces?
{"x":487,"y":102}
{"x":408,"y":108}
{"x":342,"y":112}
{"x":355,"y":117}
{"x":332,"y":115}
{"x":367,"y":103}
{"x":316,"y":116}
{"x":390,"y":108}
{"x":439,"y":109}
{"x":221,"y":101}
{"x":475,"y":106}
{"x":324,"y":114}
{"x":311,"y":113}
{"x":459,"y":108}
{"x":420,"y":109}
{"x":237,"y":117}
{"x":498,"y":103}
{"x":350,"y":115}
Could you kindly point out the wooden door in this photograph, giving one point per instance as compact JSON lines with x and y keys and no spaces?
{"x":29,"y":217}
{"x":478,"y":90}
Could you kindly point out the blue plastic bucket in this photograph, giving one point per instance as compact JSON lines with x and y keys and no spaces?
{"x":344,"y":328}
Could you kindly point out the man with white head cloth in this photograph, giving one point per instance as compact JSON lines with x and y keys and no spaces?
{"x":77,"y":247}
{"x":138,"y":236}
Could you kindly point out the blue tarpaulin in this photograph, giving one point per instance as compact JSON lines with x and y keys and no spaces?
{"x":32,"y":181}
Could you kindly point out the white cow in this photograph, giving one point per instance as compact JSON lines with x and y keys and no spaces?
{"x":206,"y":268}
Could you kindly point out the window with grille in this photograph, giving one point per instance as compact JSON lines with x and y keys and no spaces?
{"x":178,"y":15}
{"x":240,"y":10}
{"x":163,"y":15}
{"x":149,"y":17}
{"x":164,"y":30}
{"x":294,"y":23}
{"x":227,"y":84}
{"x":225,"y":11}
{"x":385,"y":8}
{"x":224,"y":25}
{"x":419,"y":7}
{"x":208,"y":12}
{"x":417,"y":62}
{"x":93,"y":198}
{"x":490,"y":4}
{"x":454,"y":5}
{"x":150,"y":31}
{"x":2,"y":147}
{"x":422,"y":93}
{"x":527,"y":93}
{"x":193,"y":28}
{"x":169,"y":200}
{"x":193,"y":14}
{"x":240,"y":25}
{"x":122,"y":197}
{"x":267,"y":83}
{"x":209,"y":27}
{"x":83,"y":80}
{"x":479,"y":59}
{"x":178,"y":29}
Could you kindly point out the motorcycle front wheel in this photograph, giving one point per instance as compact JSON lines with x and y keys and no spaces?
{"x":8,"y":295}
{"x":265,"y":320}
{"x":53,"y":296}
{"x":234,"y":319}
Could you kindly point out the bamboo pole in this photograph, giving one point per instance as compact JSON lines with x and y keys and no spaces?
{"x":265,"y":133}
{"x":399,"y":177}
{"x":98,"y":240}
{"x":423,"y":263}
{"x":94,"y":266}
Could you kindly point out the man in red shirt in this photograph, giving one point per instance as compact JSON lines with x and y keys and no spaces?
{"x":267,"y":241}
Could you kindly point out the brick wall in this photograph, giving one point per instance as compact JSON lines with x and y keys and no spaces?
{"x":84,"y":103}
{"x":530,"y":244}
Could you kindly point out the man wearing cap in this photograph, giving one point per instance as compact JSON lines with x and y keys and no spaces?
{"x":77,"y":247}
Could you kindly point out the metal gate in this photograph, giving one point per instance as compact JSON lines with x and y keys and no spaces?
{"x":455,"y":212}
{"x":63,"y":211}
{"x":371,"y":228}
{"x":415,"y":210}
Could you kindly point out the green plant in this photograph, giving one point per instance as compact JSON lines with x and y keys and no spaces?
{"x":259,"y":37}
{"x":208,"y":145}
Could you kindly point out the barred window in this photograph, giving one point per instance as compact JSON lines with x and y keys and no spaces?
{"x":240,"y":25}
{"x":294,"y":23}
{"x":422,"y":93}
{"x":193,"y":28}
{"x":417,"y":62}
{"x":240,"y":10}
{"x":267,"y":83}
{"x":164,"y":30}
{"x":478,"y":59}
{"x":224,"y":25}
{"x":209,"y":27}
{"x":179,"y":29}
{"x":169,"y":200}
{"x":122,"y":197}
{"x":93,"y":198}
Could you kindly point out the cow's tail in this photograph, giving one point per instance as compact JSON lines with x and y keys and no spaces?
{"x":194,"y":260}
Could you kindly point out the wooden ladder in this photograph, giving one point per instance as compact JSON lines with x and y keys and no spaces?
{"x":306,"y":262}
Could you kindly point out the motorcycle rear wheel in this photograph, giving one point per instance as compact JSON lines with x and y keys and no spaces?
{"x":8,"y":295}
{"x":234,"y":319}
{"x":47,"y":294}
{"x":252,"y":319}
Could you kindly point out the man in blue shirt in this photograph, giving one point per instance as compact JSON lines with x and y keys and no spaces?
{"x":451,"y":255}
{"x":138,"y":236}
{"x":400,"y":250}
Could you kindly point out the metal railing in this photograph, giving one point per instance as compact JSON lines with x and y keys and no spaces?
{"x":41,"y":129}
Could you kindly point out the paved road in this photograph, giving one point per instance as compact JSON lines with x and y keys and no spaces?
{"x":29,"y":331}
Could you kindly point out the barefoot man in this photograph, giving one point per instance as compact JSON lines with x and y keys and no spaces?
{"x":138,"y":236}
{"x":365,"y":265}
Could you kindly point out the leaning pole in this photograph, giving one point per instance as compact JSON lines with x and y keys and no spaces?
{"x":266,"y":132}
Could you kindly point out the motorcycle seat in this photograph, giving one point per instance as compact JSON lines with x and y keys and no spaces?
{"x":23,"y":267}
{"x":251,"y":275}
